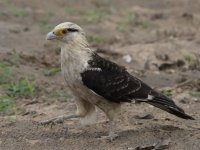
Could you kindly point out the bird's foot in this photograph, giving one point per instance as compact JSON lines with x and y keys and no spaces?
{"x":56,"y":120}
{"x":53,"y":121}
{"x":110,"y":137}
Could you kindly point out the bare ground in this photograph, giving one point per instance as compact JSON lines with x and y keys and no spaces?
{"x":158,"y":41}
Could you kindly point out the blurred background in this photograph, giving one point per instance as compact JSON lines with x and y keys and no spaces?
{"x":157,"y":40}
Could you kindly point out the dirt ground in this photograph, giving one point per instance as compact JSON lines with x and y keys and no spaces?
{"x":157,"y":40}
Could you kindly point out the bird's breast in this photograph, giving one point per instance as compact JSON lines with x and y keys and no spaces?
{"x":71,"y":66}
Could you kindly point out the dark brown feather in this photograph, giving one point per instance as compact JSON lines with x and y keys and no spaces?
{"x":115,"y":84}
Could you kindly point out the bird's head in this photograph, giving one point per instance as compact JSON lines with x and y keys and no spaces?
{"x":68,"y":33}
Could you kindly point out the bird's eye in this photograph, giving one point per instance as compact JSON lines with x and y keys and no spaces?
{"x":64,"y":31}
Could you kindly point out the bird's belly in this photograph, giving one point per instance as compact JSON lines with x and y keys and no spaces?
{"x":79,"y":90}
{"x":74,"y":83}
{"x":110,"y":108}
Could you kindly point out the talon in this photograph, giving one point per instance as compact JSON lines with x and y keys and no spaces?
{"x":59,"y":121}
{"x":110,"y":137}
{"x":44,"y":123}
{"x":47,"y":122}
{"x":65,"y":131}
{"x":52,"y":124}
{"x":56,"y":120}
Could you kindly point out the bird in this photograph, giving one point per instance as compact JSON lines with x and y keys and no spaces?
{"x":96,"y":82}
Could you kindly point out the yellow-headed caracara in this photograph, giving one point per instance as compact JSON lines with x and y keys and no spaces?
{"x":97,"y":82}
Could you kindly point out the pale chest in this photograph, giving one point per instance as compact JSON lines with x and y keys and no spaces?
{"x":71,"y":69}
{"x":72,"y":64}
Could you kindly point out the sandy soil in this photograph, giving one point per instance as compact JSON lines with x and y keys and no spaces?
{"x":158,"y":41}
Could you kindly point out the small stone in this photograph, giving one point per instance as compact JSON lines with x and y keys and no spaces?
{"x":26,"y":29}
{"x":127,"y":58}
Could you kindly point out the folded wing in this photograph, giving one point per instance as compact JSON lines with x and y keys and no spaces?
{"x":115,"y":84}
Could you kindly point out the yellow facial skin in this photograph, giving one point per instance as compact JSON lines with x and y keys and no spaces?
{"x":56,"y":34}
{"x":59,"y":32}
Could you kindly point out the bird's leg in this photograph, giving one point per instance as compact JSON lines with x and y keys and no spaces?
{"x":59,"y":119}
{"x":111,"y":135}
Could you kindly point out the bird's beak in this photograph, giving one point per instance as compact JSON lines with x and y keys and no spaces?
{"x":51,"y":36}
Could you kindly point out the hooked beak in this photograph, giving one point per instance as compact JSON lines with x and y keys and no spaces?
{"x":51,"y":36}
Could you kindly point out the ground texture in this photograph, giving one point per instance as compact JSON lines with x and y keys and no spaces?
{"x":158,"y":41}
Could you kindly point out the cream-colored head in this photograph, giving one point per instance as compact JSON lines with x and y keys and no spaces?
{"x":68,"y":33}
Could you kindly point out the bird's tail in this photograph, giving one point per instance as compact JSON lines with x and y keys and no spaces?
{"x":163,"y":102}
